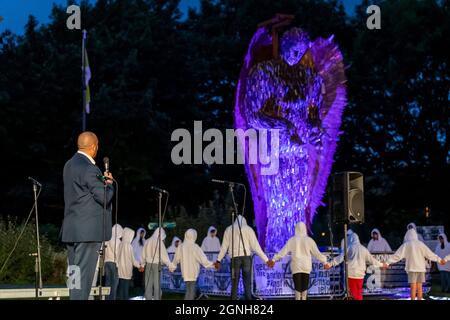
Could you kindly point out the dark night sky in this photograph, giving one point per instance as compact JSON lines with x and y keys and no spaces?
{"x":15,"y":12}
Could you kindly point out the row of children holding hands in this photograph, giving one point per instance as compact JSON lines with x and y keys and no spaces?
{"x":301,"y":248}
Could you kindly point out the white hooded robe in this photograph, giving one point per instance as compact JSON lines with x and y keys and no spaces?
{"x":190,"y":256}
{"x":126,"y":260}
{"x":415,"y":252}
{"x":358,"y":258}
{"x":113,"y":245}
{"x":137,"y":246}
{"x":380,"y":245}
{"x":150,"y":254}
{"x":443,"y":252}
{"x":248,"y":241}
{"x":302,"y":248}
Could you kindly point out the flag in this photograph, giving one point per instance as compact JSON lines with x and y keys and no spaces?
{"x":87,"y":77}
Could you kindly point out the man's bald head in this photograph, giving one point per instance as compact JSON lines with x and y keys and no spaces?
{"x":88,"y":143}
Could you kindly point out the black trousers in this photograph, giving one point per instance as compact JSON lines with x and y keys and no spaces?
{"x":138,"y":278}
{"x":244,"y":264}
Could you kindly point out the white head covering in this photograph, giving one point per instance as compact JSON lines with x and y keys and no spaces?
{"x":240,"y":220}
{"x":353,"y":240}
{"x":211,"y":244}
{"x":113,"y":245}
{"x":414,"y":227}
{"x":137,"y":237}
{"x":190,"y":236}
{"x":300,"y":230}
{"x":411,"y":235}
{"x":156,"y":234}
{"x":355,"y":248}
{"x":117,"y":231}
{"x":446,"y":243}
{"x":210,"y":229}
{"x":153,"y":248}
{"x":137,"y":245}
{"x":349,"y":233}
{"x":172,"y":247}
{"x":127,"y":235}
{"x":375,"y":230}
{"x":379,"y":245}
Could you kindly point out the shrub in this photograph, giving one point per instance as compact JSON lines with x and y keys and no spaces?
{"x":20,"y":269}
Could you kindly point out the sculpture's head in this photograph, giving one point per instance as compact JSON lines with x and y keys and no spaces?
{"x":294,"y":44}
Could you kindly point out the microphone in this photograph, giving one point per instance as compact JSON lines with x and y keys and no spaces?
{"x":106,"y":163}
{"x":225,"y":182}
{"x":158,"y":189}
{"x":35,"y":181}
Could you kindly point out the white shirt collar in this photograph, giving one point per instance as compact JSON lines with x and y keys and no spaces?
{"x":88,"y":156}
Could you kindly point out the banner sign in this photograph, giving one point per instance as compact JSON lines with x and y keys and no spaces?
{"x":209,"y":281}
{"x":277,"y":282}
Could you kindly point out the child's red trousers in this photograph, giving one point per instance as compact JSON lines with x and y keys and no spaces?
{"x":355,"y":287}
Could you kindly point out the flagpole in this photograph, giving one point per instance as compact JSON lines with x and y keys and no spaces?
{"x":83,"y":80}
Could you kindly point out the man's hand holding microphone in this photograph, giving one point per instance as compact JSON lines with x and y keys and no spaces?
{"x":108,"y":175}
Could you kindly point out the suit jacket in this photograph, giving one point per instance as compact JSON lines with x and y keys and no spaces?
{"x":83,"y":202}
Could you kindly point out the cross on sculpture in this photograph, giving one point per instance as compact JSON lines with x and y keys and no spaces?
{"x":276,"y":23}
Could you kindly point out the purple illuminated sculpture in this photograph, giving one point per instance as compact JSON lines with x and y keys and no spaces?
{"x":302,"y":93}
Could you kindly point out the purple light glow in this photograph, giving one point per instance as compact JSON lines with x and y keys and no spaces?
{"x":303,"y":95}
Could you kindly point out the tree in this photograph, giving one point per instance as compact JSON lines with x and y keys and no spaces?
{"x":153,"y":72}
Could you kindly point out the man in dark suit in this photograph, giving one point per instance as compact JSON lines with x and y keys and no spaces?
{"x":82,"y":229}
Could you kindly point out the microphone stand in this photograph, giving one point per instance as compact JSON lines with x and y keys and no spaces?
{"x":245,"y":199}
{"x":235,"y":210}
{"x":101,"y":252}
{"x":331,"y":233}
{"x":232,"y":240}
{"x":37,"y":255}
{"x":331,"y":211}
{"x":159,"y":242}
{"x":159,"y":239}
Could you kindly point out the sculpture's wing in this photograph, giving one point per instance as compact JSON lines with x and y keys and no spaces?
{"x":260,"y":49}
{"x":328,"y":62}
